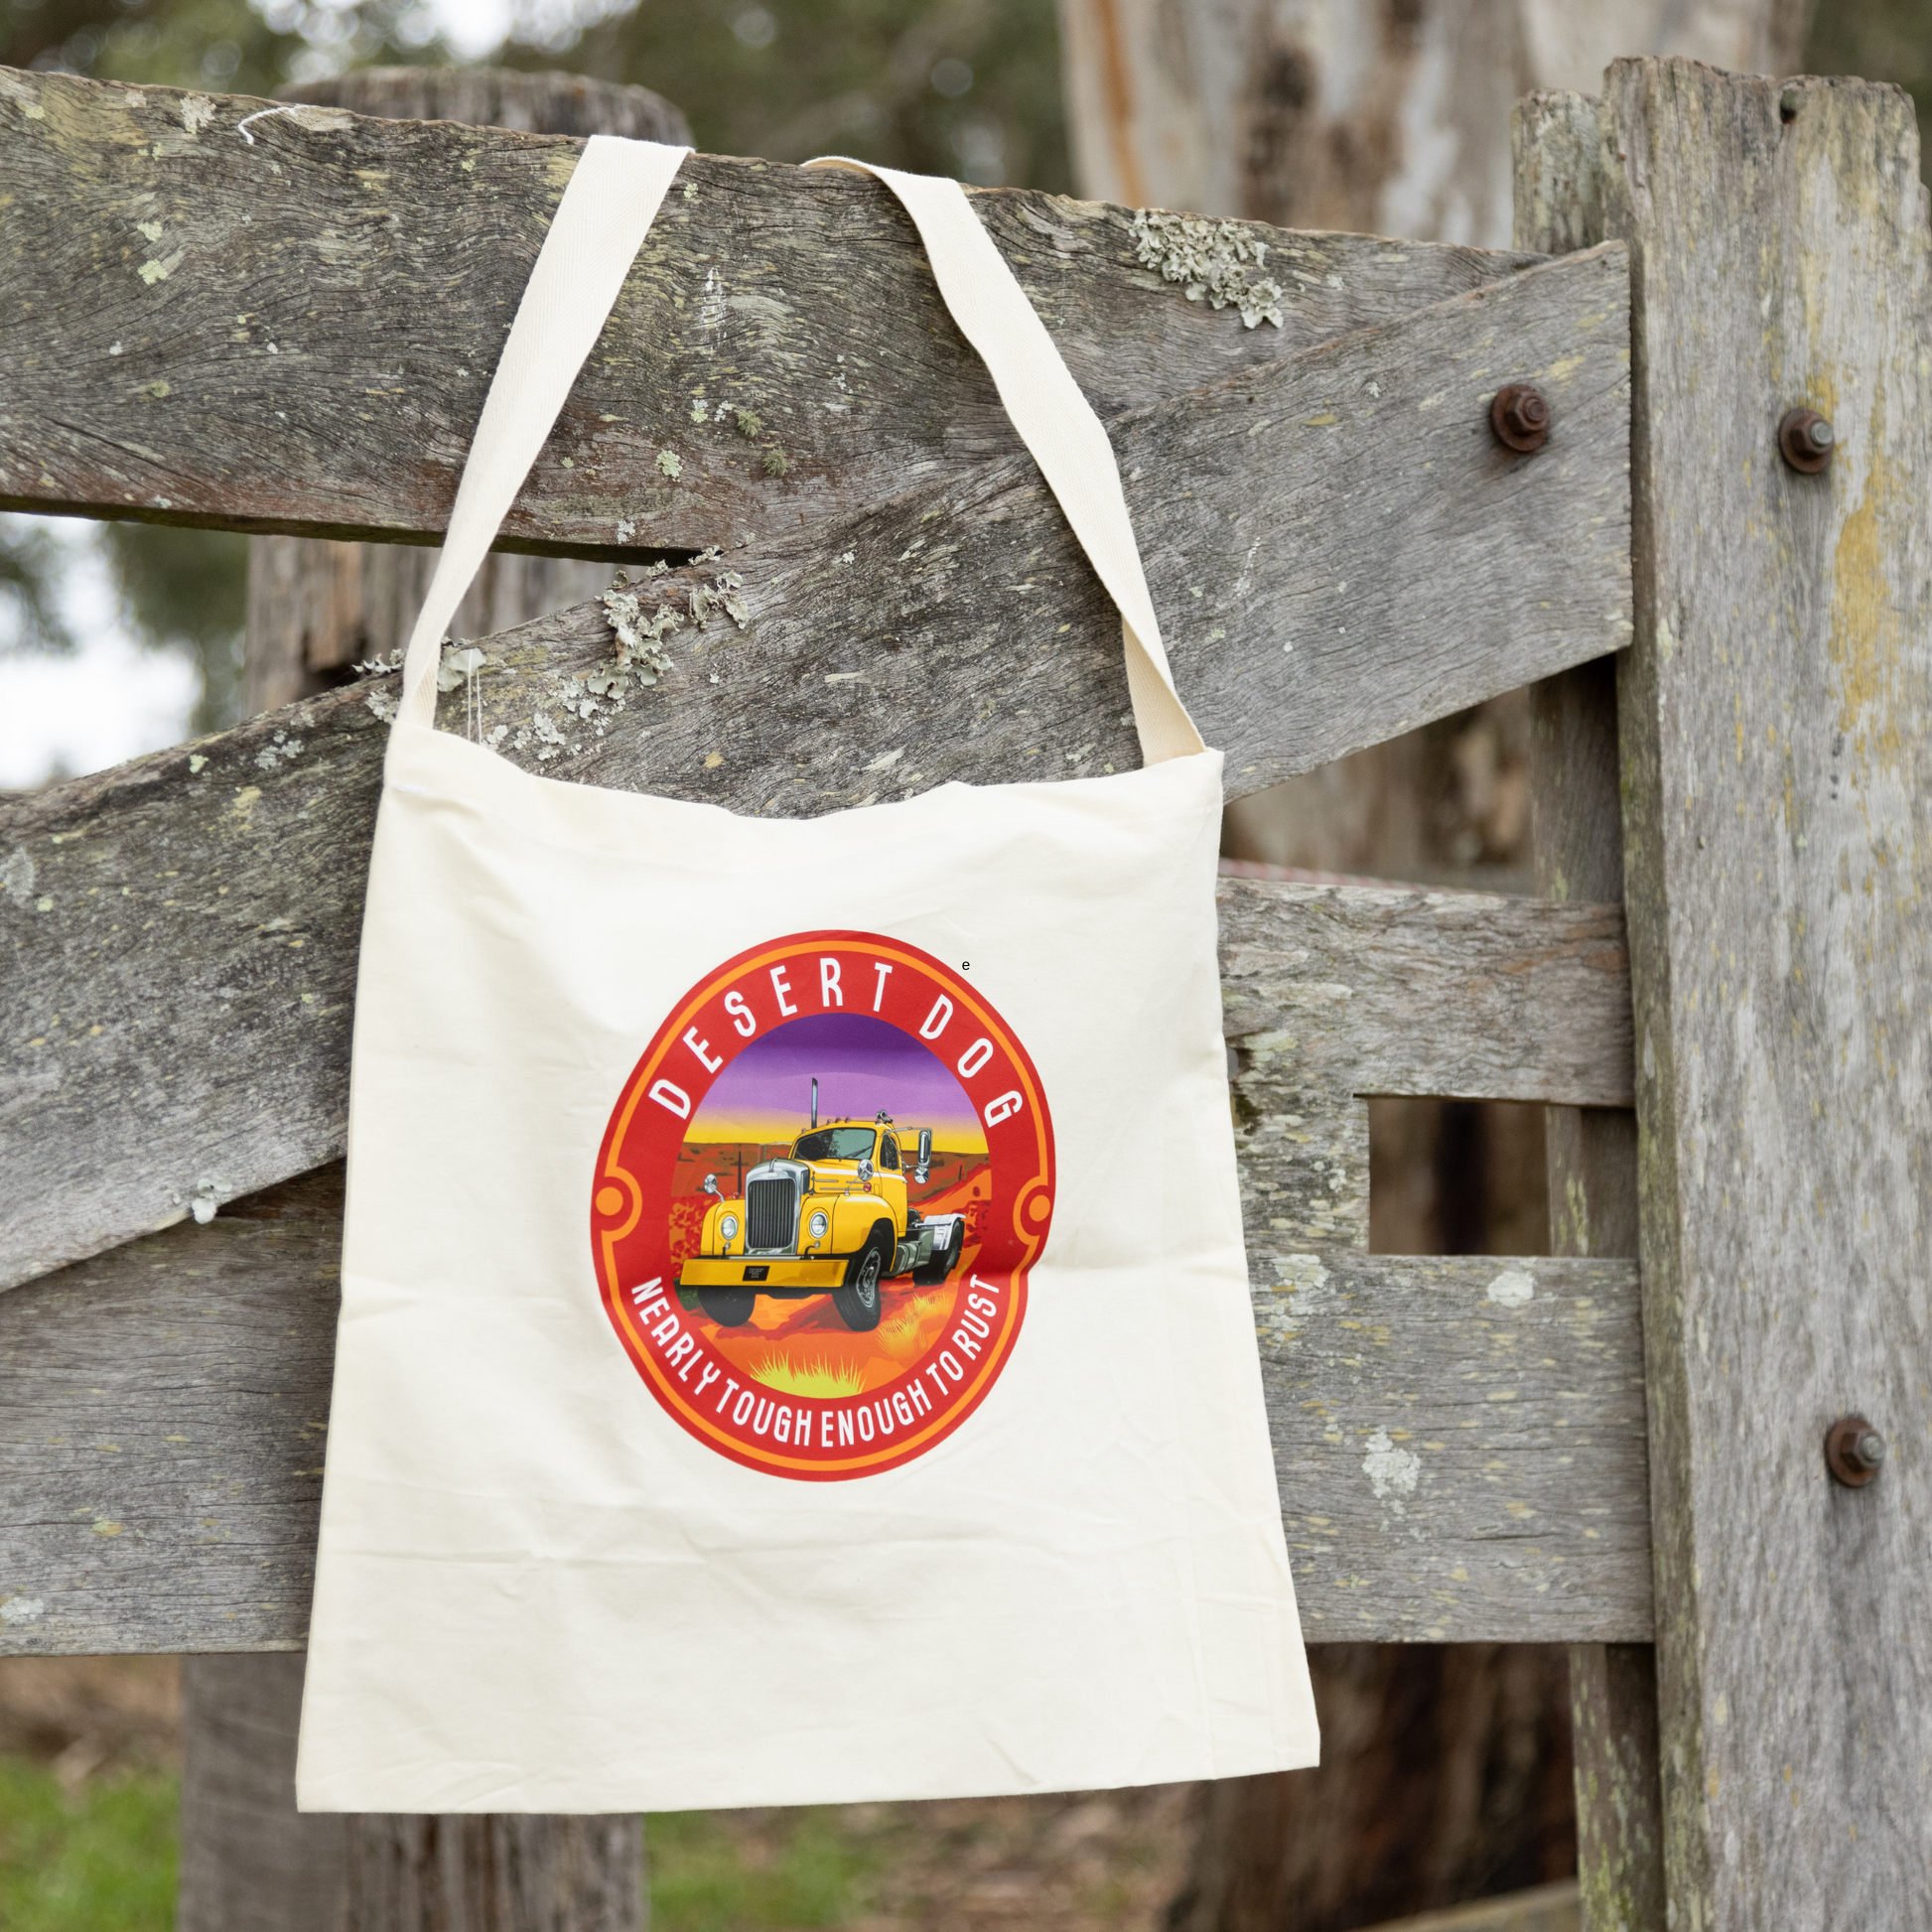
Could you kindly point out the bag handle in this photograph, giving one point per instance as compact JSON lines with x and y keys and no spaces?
{"x":605,"y":212}
{"x":601,"y":223}
{"x":1057,"y":425}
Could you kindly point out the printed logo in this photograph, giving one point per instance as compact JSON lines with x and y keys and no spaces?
{"x":817,"y":1201}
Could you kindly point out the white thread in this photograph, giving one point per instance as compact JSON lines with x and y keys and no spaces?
{"x":241,"y":126}
{"x":317,"y":120}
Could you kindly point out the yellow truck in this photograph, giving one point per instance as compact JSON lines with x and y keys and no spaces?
{"x":830,"y":1218}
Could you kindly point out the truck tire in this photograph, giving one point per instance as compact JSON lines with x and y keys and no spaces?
{"x":863,"y":1297}
{"x":941,"y":1264}
{"x":729,"y":1307}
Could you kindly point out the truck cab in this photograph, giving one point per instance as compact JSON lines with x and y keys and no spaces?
{"x":831,"y":1218}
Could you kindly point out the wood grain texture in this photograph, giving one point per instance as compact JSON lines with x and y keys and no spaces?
{"x":1441,"y":1779}
{"x":494,"y":1871}
{"x":293,"y":331}
{"x":317,"y":606}
{"x":1319,"y":114}
{"x":965,"y":638}
{"x":958,"y":629}
{"x":1620,"y":1799}
{"x":1458,"y":1447}
{"x":1578,"y":848}
{"x":314,"y":607}
{"x":1592,"y":1191}
{"x":1333,"y":993}
{"x":1776,"y":732}
{"x":1460,"y":1442}
{"x":250,"y":1862}
{"x":163,"y":1413}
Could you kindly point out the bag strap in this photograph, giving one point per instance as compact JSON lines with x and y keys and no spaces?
{"x":1057,"y":425}
{"x":607,"y":211}
{"x":601,"y":223}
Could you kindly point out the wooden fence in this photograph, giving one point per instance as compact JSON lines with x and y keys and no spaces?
{"x":284,"y":320}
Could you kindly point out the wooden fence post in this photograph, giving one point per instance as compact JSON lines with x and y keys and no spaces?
{"x":1592,"y":1168}
{"x":1776,"y":747}
{"x":1578,"y":839}
{"x":314,"y":608}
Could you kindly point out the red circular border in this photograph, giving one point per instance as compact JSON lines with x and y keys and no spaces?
{"x":630,"y":1247}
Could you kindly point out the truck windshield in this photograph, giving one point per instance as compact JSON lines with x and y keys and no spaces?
{"x":834,"y":1143}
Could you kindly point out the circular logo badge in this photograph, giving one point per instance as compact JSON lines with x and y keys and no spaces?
{"x":816,"y":1203}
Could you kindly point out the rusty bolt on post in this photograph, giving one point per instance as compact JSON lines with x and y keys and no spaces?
{"x":1806,"y":439}
{"x":1521,"y":419}
{"x":1855,"y":1451}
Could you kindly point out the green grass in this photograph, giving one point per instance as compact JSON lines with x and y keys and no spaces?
{"x":102,"y":1860}
{"x":804,"y":1873}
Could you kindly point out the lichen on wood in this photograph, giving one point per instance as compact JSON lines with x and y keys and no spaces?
{"x":1210,"y":259}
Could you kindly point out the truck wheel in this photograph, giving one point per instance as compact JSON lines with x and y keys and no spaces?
{"x":941,"y":1264}
{"x":862,"y":1298}
{"x":729,"y":1307}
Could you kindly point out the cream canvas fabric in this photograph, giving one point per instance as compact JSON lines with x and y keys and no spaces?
{"x":624,"y":1513}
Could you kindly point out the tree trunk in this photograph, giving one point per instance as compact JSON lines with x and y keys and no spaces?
{"x":1390,"y":116}
{"x":1446,"y":1773}
{"x":1454,"y":1770}
{"x":248,"y":1858}
{"x":498,"y":1873}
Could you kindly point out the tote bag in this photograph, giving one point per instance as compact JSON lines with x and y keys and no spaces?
{"x":795,"y":1341}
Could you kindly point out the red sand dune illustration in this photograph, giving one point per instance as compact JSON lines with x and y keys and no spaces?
{"x":687,"y":1226}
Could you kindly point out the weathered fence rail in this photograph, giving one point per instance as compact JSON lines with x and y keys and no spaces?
{"x":276,"y":317}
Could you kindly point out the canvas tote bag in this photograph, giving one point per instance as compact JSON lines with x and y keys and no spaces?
{"x":795,"y":1341}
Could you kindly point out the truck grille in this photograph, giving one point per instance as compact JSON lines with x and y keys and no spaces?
{"x":769,"y":1213}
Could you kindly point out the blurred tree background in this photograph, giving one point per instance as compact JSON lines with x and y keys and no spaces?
{"x":1879,"y":40}
{"x":966,"y":88}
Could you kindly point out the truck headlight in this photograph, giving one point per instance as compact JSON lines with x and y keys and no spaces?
{"x":727,"y":1227}
{"x":819,"y":1226}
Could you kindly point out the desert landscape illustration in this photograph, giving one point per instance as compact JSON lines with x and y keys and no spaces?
{"x":754,"y":1112}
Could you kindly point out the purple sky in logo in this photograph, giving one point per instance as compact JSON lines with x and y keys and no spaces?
{"x":864,"y":1067}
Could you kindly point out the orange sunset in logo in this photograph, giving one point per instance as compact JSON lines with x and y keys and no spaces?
{"x":817,"y":1201}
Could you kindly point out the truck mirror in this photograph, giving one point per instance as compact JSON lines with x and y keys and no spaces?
{"x":865,"y":1173}
{"x":926,"y":1155}
{"x":711,"y":1186}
